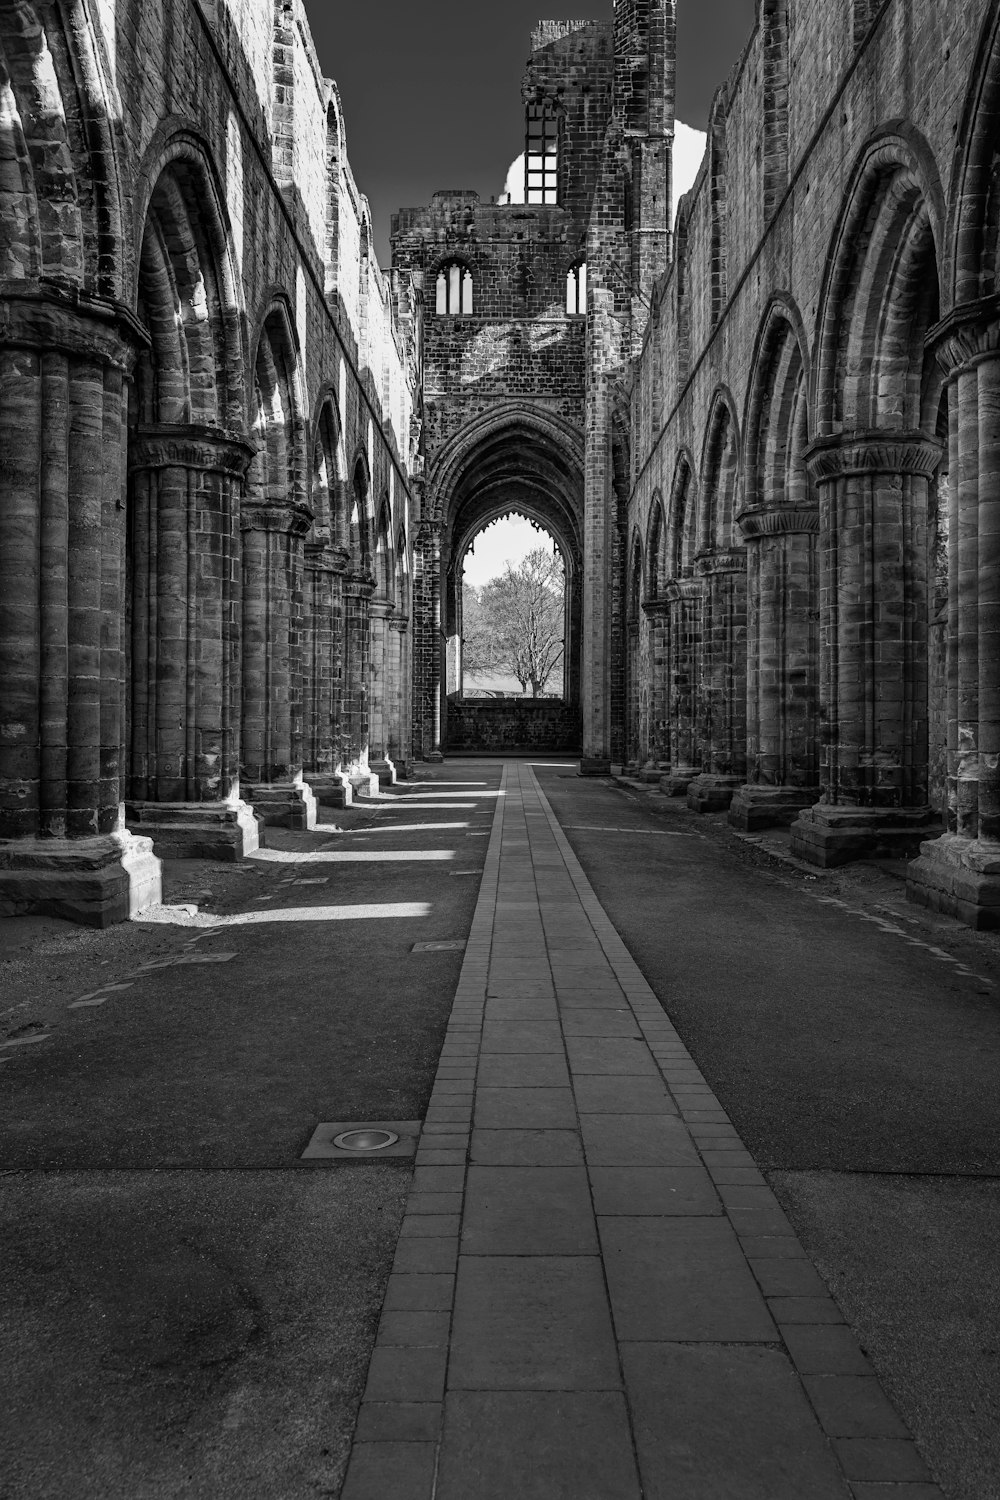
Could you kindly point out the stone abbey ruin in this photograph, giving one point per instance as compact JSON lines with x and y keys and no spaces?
{"x":241,"y":465}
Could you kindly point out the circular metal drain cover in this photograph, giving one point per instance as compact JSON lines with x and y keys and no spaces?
{"x":365,"y":1140}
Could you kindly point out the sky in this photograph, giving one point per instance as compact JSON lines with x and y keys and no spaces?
{"x":432,"y":88}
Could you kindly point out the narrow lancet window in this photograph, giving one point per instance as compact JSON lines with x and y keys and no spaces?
{"x":576,"y":290}
{"x":541,"y":157}
{"x":454,"y":290}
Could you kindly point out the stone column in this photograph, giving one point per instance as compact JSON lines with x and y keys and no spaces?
{"x":183,"y":784}
{"x":960,"y":872}
{"x":325,"y":566}
{"x":873,"y":496}
{"x":379,"y":760}
{"x":634,"y":741}
{"x":273,"y":569}
{"x":64,"y":847}
{"x":782,"y":667}
{"x":657,"y":612}
{"x":356,"y":738}
{"x":427,"y":643}
{"x":604,"y":357}
{"x":721,"y":700}
{"x":684,"y":597}
{"x":399,"y":735}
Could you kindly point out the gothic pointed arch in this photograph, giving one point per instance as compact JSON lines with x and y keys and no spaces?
{"x":881,"y":290}
{"x":655,"y":549}
{"x":776,"y":424}
{"x":720,"y":473}
{"x":682,"y":518}
{"x":187,"y":292}
{"x":61,"y":213}
{"x":973,"y":269}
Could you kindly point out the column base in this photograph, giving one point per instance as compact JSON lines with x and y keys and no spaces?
{"x":364,"y":782}
{"x":651,"y":773}
{"x":434,"y":757}
{"x":594,"y":765}
{"x":96,"y":882}
{"x":756,"y":807}
{"x":676,"y":783}
{"x":330,"y":788}
{"x":384,"y":770}
{"x":284,"y":805}
{"x":829,"y":836}
{"x":708,"y":794}
{"x":226,"y":831}
{"x":959,"y":877}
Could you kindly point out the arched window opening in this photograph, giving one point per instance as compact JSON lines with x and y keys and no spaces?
{"x":510,"y":638}
{"x":454,"y":290}
{"x":576,"y":290}
{"x":541,"y":155}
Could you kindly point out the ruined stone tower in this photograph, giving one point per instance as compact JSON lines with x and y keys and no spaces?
{"x":532,"y":310}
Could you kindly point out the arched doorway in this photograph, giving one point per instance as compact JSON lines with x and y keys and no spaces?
{"x":512,"y":460}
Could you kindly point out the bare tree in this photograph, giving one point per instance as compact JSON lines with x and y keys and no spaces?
{"x":514,"y":623}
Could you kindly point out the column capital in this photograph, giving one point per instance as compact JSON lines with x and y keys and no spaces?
{"x":655,"y":609}
{"x":732,"y":560}
{"x":683,"y":588}
{"x":208,"y":449}
{"x":359,"y":585}
{"x":400,"y":623}
{"x":968,"y":336}
{"x":762,"y":520}
{"x":46,"y":317}
{"x":285,"y":519}
{"x":883,"y":451}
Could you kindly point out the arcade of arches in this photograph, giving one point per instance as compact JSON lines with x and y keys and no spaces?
{"x":241,"y":465}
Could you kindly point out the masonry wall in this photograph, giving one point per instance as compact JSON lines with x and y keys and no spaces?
{"x":195,"y":199}
{"x":790,"y":414}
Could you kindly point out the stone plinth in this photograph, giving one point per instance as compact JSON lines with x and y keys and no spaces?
{"x":706,"y":793}
{"x":226,"y":831}
{"x":757,"y":807}
{"x":285,"y":805}
{"x":829,"y":836}
{"x":960,"y":877}
{"x":331,"y":789}
{"x":96,"y":881}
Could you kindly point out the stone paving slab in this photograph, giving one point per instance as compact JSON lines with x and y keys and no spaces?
{"x":595,"y":1294}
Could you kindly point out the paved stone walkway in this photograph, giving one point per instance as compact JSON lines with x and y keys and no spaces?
{"x":595,"y":1295}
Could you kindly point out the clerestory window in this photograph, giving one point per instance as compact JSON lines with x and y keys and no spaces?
{"x":541,"y":155}
{"x":576,"y":289}
{"x":454,"y":290}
